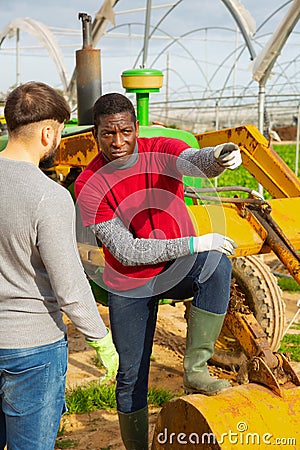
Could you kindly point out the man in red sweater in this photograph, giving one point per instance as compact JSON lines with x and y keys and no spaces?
{"x":131,"y":196}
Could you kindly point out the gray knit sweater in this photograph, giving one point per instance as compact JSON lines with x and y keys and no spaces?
{"x":40,"y":270}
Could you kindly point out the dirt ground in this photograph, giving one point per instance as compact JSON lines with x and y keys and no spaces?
{"x":287,"y":133}
{"x":99,"y":430}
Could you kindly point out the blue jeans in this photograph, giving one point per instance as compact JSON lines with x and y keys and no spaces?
{"x":32,"y":395}
{"x":133,"y":317}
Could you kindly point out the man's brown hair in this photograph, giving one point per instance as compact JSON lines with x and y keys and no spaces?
{"x":34,"y":102}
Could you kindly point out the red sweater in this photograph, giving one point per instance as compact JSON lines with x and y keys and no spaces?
{"x":147,"y":197}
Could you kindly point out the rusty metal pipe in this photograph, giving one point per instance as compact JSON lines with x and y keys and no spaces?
{"x":86,"y":29}
{"x":280,"y":245}
{"x":251,"y":336}
{"x":88,"y":74}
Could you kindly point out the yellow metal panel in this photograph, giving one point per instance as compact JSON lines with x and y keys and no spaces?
{"x":77,"y":150}
{"x":225,"y":219}
{"x":91,"y":254}
{"x":286,"y":213}
{"x":247,"y":232}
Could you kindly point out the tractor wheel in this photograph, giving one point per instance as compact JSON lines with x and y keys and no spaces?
{"x":254,"y":279}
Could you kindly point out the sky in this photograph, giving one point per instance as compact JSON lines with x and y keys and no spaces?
{"x":197,"y":45}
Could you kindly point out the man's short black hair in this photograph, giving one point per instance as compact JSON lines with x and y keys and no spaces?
{"x":112,"y":103}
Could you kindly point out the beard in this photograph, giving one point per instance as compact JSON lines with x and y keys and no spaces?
{"x":48,"y":159}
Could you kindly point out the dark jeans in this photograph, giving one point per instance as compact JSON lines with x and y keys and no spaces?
{"x":133,"y":316}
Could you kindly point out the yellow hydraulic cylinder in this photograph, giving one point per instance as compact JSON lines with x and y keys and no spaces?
{"x":244,"y":417}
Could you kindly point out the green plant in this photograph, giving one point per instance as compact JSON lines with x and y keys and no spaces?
{"x":90,"y":397}
{"x":288,"y":153}
{"x":61,"y":430}
{"x":288,"y":284}
{"x":238,"y":177}
{"x":93,"y":396}
{"x":65,"y":443}
{"x":291,"y":344}
{"x":159,"y":396}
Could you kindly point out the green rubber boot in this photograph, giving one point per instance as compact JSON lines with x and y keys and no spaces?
{"x":134,"y":429}
{"x":203,"y":330}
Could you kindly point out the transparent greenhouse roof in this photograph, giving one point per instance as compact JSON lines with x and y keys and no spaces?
{"x":207,"y":51}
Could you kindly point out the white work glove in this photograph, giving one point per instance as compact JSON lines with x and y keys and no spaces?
{"x":213,"y":241}
{"x":228,"y":155}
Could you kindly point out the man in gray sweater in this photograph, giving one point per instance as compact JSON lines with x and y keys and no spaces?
{"x":41,"y":275}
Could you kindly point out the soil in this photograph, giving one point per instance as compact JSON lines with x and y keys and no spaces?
{"x":287,"y":133}
{"x":99,"y":430}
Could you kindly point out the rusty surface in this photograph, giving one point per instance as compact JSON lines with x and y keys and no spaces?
{"x":281,"y":245}
{"x":88,"y":57}
{"x":264,"y":367}
{"x":251,"y":336}
{"x":77,"y":150}
{"x":259,"y":372}
{"x":237,"y":300}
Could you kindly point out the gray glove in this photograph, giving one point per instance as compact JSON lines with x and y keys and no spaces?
{"x":228,"y":155}
{"x":213,"y":241}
